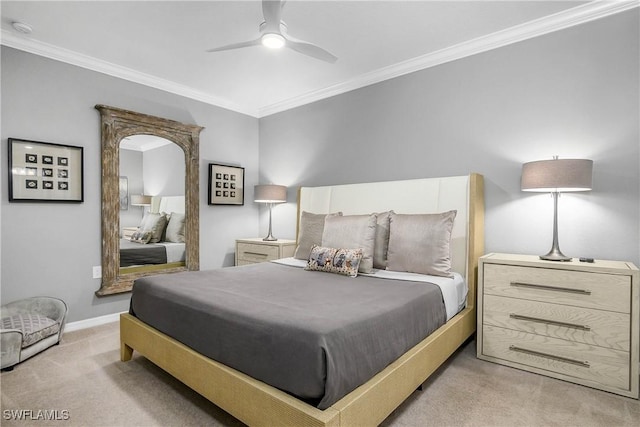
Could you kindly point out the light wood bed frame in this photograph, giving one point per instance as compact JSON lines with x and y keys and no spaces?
{"x":258,"y":404}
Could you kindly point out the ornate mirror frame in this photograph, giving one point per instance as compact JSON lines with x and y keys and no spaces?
{"x":117,"y":124}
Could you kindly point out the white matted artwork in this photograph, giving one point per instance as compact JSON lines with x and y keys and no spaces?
{"x":45,"y":172}
{"x":226,"y":185}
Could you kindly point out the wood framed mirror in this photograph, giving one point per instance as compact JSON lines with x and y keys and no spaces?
{"x":117,"y":124}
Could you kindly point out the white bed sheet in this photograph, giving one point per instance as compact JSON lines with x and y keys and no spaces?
{"x":454,"y":290}
{"x":175,"y":251}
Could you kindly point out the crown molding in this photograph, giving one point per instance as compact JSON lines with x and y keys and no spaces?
{"x":571,"y":17}
{"x":568,"y":18}
{"x":78,"y":59}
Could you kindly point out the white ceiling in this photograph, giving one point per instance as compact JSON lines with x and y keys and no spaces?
{"x":163,"y":43}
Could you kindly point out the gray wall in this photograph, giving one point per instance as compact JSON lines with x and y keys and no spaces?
{"x":49,"y":249}
{"x":164,"y":171}
{"x":572,"y":93}
{"x":131,"y":167}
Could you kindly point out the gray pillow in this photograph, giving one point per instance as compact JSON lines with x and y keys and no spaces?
{"x":421,"y":243}
{"x":382,"y":240}
{"x":352,"y":232}
{"x":154,"y":223}
{"x":311,"y":227}
{"x":175,"y":228}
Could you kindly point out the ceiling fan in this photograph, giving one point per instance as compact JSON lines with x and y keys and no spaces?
{"x":273,"y":34}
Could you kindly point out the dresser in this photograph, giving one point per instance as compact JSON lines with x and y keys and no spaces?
{"x":251,"y":251}
{"x":574,"y":321}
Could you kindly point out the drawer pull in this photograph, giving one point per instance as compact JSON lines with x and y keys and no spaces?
{"x":550,"y":322}
{"x":257,"y":253}
{"x":550,"y":356}
{"x":551,"y":288}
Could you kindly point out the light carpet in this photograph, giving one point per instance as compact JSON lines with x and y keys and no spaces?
{"x":83,"y":383}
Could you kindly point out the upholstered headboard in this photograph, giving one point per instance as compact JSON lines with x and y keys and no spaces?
{"x":167,"y":204}
{"x":428,"y":195}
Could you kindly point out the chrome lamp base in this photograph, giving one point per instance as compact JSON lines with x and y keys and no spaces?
{"x":555,"y":254}
{"x":270,"y":237}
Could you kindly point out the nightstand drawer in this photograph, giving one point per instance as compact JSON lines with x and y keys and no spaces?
{"x":575,"y":360}
{"x":596,"y":327}
{"x":254,"y":250}
{"x":577,"y":288}
{"x":257,"y":253}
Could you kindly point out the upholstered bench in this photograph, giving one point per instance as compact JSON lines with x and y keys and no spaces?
{"x":28,"y":327}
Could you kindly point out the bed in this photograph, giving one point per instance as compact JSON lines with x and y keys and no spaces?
{"x":257,"y":403}
{"x":169,"y":248}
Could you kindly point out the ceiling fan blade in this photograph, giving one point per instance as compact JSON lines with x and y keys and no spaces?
{"x":236,"y":45}
{"x":309,"y":49}
{"x":272,"y":12}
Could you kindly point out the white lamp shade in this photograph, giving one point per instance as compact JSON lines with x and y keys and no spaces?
{"x":140,"y":200}
{"x":557,"y":175}
{"x":270,"y":194}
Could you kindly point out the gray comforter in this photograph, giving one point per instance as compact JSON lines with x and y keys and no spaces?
{"x":138,"y":254}
{"x":315,"y":335}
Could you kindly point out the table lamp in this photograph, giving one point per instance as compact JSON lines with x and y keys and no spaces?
{"x":141,"y":200}
{"x":557,"y":176}
{"x":270,"y":194}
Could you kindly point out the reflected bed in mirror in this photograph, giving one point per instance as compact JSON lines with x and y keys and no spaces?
{"x":122,"y":125}
{"x":158,"y":242}
{"x":153,"y":166}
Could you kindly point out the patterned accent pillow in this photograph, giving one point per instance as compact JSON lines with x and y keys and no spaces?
{"x":331,"y":260}
{"x":33,"y":327}
{"x":141,"y":237}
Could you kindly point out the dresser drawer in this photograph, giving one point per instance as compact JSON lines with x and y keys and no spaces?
{"x":596,"y":327}
{"x":576,"y":288}
{"x":575,"y":360}
{"x":256,"y":253}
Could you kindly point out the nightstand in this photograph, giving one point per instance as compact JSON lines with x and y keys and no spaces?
{"x":573,"y":321}
{"x":128,"y":231}
{"x":251,"y":251}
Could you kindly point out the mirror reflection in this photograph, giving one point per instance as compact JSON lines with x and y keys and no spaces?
{"x":152,"y":204}
{"x":166,"y":180}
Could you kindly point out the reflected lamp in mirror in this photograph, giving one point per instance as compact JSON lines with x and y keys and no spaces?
{"x":140,"y":200}
{"x":270,"y":194}
{"x":557,"y":176}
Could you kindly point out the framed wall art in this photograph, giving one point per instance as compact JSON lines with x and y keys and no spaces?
{"x":226,"y":185}
{"x":45,"y":172}
{"x":123,"y":193}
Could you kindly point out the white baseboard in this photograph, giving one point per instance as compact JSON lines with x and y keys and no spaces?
{"x":89,"y":323}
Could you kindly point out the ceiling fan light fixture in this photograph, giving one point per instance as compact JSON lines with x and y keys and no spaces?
{"x":273,"y":40}
{"x":21,"y":27}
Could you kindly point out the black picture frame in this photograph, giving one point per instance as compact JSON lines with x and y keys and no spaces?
{"x":226,"y":185}
{"x":45,"y":172}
